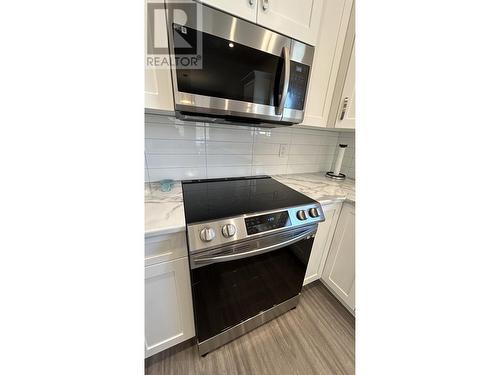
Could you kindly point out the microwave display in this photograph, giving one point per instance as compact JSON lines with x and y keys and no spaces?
{"x":297,"y":88}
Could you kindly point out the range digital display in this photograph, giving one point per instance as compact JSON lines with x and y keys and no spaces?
{"x":263,"y":223}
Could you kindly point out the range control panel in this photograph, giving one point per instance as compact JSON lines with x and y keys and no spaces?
{"x":263,"y":223}
{"x":203,"y":236}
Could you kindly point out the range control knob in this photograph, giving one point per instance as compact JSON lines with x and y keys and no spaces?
{"x":228,"y":230}
{"x":301,"y":215}
{"x":313,"y":212}
{"x":207,"y":234}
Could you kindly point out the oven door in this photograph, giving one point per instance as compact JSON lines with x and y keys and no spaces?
{"x":236,"y":282}
{"x":244,"y":71}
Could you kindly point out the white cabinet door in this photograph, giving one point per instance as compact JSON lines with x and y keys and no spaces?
{"x":246,"y":9}
{"x":299,"y":19}
{"x":343,"y":111}
{"x":327,"y":55}
{"x":338,"y":274}
{"x":321,"y":243}
{"x":347,"y":114}
{"x":158,"y":91}
{"x":169,"y":308}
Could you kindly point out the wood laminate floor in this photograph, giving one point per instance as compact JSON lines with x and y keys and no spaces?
{"x":315,"y":338}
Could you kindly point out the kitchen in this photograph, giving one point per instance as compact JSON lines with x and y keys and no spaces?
{"x":250,"y":187}
{"x":249,"y":168}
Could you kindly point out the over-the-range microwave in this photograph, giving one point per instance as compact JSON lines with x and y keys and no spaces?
{"x":228,"y":70}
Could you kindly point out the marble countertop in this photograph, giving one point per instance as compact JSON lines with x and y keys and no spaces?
{"x":320,"y":188}
{"x":164,"y":211}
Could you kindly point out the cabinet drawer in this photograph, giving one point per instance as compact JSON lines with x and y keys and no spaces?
{"x":165,"y":247}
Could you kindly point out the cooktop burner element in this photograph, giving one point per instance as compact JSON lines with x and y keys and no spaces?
{"x":207,"y":200}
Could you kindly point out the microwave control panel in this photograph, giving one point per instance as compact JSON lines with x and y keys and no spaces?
{"x":297,"y":89}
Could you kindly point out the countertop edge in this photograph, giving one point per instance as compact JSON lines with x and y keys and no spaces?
{"x":182,"y":228}
{"x":164,"y":231}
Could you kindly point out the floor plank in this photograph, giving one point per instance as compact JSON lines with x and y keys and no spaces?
{"x":315,"y":338}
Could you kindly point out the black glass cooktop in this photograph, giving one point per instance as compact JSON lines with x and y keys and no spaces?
{"x":213,"y":199}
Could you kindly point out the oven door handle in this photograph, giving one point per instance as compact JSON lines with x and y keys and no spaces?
{"x":247,"y":254}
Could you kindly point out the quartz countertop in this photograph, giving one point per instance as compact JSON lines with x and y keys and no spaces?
{"x":164,"y":211}
{"x":320,"y":188}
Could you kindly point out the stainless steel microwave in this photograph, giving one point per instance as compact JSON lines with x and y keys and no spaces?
{"x":226,"y":69}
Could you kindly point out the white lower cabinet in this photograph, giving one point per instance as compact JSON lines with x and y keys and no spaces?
{"x":322,"y":243}
{"x":338,"y":273}
{"x":169,"y":308}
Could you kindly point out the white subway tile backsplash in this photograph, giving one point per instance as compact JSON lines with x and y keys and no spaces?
{"x":169,"y":161}
{"x":229,"y":148}
{"x":159,"y":119}
{"x":174,"y":147}
{"x":267,"y":148}
{"x":273,"y":135}
{"x":232,"y":135}
{"x":302,"y":159}
{"x":303,"y":168}
{"x":234,"y":171}
{"x":183,"y":150}
{"x":268,"y":169}
{"x":224,"y":160}
{"x":176,"y":173}
{"x":162,"y":131}
{"x":316,"y":150}
{"x":309,"y":139}
{"x":269,"y":160}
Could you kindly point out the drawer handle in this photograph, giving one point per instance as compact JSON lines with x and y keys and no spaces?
{"x":251,"y":2}
{"x":265,"y":5}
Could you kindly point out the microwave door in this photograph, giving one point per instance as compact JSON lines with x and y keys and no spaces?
{"x":242,"y":73}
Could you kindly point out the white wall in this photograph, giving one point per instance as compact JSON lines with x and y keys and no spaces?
{"x":181,"y":150}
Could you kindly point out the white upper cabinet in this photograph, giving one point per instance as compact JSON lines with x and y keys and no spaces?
{"x":246,"y":9}
{"x":158,"y":92}
{"x":342,"y":113}
{"x":327,"y":56}
{"x":346,"y":115}
{"x":299,"y":19}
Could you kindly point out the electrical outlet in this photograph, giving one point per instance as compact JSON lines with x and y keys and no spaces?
{"x":282,"y":151}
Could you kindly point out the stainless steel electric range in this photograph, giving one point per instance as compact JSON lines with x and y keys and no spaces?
{"x":249,"y":244}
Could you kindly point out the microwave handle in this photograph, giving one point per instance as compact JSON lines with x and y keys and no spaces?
{"x":286,"y":82}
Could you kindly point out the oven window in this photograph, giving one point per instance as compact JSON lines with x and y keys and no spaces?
{"x":228,"y":293}
{"x":230,"y":70}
